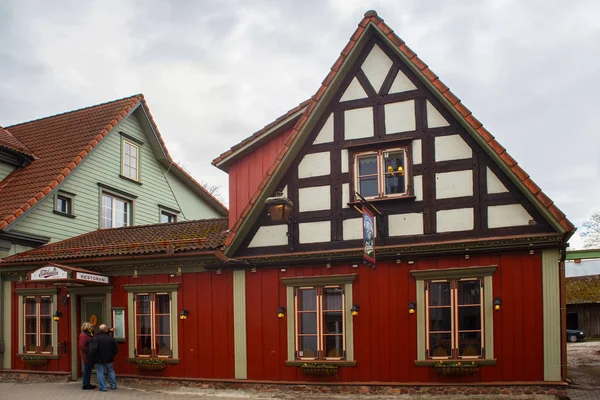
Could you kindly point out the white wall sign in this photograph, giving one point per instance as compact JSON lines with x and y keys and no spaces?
{"x":91,"y":277}
{"x":48,"y":274}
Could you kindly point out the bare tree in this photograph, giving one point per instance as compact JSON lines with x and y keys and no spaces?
{"x":215,"y":190}
{"x":591,"y":231}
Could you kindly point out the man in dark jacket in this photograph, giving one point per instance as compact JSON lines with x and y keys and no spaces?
{"x":107,"y":349}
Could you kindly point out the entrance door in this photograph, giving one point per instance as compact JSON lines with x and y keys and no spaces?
{"x":92,"y":310}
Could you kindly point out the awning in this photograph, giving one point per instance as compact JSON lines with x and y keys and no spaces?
{"x":62,"y":275}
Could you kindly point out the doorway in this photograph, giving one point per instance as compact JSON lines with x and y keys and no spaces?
{"x":93,"y":310}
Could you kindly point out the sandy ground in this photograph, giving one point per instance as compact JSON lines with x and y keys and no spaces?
{"x":584,"y":369}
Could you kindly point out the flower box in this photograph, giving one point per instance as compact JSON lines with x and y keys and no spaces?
{"x":150,"y":364}
{"x":34,"y":360}
{"x":456,"y":369}
{"x":319,"y":369}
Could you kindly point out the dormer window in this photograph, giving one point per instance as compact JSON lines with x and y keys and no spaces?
{"x":131,"y":160}
{"x":382,"y":173}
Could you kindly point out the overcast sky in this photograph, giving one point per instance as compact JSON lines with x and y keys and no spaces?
{"x":214,"y":72}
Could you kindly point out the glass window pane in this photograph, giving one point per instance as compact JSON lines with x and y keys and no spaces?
{"x":163,"y":345}
{"x":469,"y":344}
{"x":367,"y":165}
{"x":307,"y":299}
{"x":307,"y":346}
{"x":440,"y":345}
{"x":469,"y":292}
{"x":163,"y":305}
{"x":440,"y":319}
{"x":143,"y":324}
{"x":334,"y":346}
{"x":30,"y":306}
{"x":368,"y":187}
{"x":439,"y":294}
{"x":142,"y":302}
{"x":45,"y":306}
{"x":333,"y":322}
{"x":143,"y":346}
{"x":332,"y":298}
{"x":394,"y":184}
{"x":30,"y":343}
{"x":46,"y":343}
{"x":394,"y":162}
{"x":163,"y":325}
{"x":469,"y":318}
{"x":30,"y":325}
{"x":46,"y":324}
{"x":307,"y":322}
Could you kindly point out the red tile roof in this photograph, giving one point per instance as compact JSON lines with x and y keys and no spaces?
{"x":372,"y":19}
{"x":60,"y":143}
{"x":180,"y":237}
{"x":583,"y":289}
{"x":8,"y":141}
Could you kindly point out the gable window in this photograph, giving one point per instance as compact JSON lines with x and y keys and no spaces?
{"x":130,"y":160}
{"x":167,"y":217}
{"x":153,"y":325}
{"x":37,"y":329}
{"x":454,"y":318}
{"x":63,"y":204}
{"x":116,"y":212}
{"x":381,"y":173}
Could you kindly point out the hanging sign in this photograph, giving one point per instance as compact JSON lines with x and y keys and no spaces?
{"x":368,"y":220}
{"x":48,"y":273}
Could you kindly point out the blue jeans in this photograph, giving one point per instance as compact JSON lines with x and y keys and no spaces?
{"x":112,"y":379}
{"x":87,"y":373}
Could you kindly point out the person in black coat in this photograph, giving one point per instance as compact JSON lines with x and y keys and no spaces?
{"x":107,"y":350}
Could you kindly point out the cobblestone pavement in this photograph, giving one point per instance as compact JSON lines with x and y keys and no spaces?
{"x":584,"y":370}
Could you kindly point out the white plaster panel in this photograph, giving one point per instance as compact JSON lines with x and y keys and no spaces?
{"x":344,"y":161}
{"x":434,"y":118}
{"x":507,"y":215}
{"x":285,"y":191}
{"x":352,"y":229}
{"x":418,"y":187}
{"x":453,"y":184}
{"x":354,"y":91}
{"x":400,"y":117}
{"x":405,"y":224}
{"x":315,"y":164}
{"x":314,"y":232}
{"x":274,"y":235}
{"x":451,"y":147}
{"x":358,"y":123}
{"x":345,"y":194}
{"x":401,"y":84}
{"x":461,"y":219}
{"x":417,"y":152}
{"x":493,"y":183}
{"x":314,"y":198}
{"x":326,"y":133}
{"x":376,"y":67}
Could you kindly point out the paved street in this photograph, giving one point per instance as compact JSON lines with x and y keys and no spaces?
{"x":584,"y":370}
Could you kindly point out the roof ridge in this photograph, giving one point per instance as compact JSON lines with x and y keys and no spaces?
{"x":139,"y":96}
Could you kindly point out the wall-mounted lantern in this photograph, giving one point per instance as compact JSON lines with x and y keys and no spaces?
{"x":183,"y":314}
{"x":497,"y":304}
{"x":279,"y":207}
{"x":57,"y":315}
{"x":281,"y":312}
{"x":412,"y":307}
{"x":354,"y":310}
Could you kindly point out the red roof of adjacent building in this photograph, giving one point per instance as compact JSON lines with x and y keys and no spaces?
{"x":60,"y":143}
{"x":174,"y":238}
{"x":371,"y":19}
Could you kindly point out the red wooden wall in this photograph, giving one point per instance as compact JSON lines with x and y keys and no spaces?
{"x":246,"y":174}
{"x":385,"y":343}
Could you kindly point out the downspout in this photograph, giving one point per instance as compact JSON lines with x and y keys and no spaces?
{"x":563,"y":315}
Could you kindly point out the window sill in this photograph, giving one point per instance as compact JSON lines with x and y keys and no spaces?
{"x":382,"y":200}
{"x":47,"y":356}
{"x":431,"y":363}
{"x":166,"y":360}
{"x":130,"y":180}
{"x":63,"y":214}
{"x":339,"y":363}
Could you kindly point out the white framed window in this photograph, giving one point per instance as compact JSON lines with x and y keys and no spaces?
{"x":454,"y":320}
{"x":320,"y":323}
{"x":152,"y":325}
{"x":37,"y":325}
{"x":382,"y":173}
{"x":167,"y":217}
{"x":130,"y":160}
{"x":116,"y":211}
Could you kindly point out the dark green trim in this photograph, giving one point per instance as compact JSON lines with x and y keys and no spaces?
{"x":166,"y":360}
{"x":336,"y":363}
{"x":131,"y":138}
{"x":431,"y":363}
{"x":90,"y":290}
{"x":130,"y":179}
{"x":319,"y":280}
{"x":48,"y":356}
{"x":117,"y":192}
{"x":467,"y":272}
{"x":168,"y":209}
{"x":167,"y":287}
{"x":37,"y":292}
{"x":583,"y":254}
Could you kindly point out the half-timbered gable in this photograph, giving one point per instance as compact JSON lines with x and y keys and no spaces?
{"x":386,"y":135}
